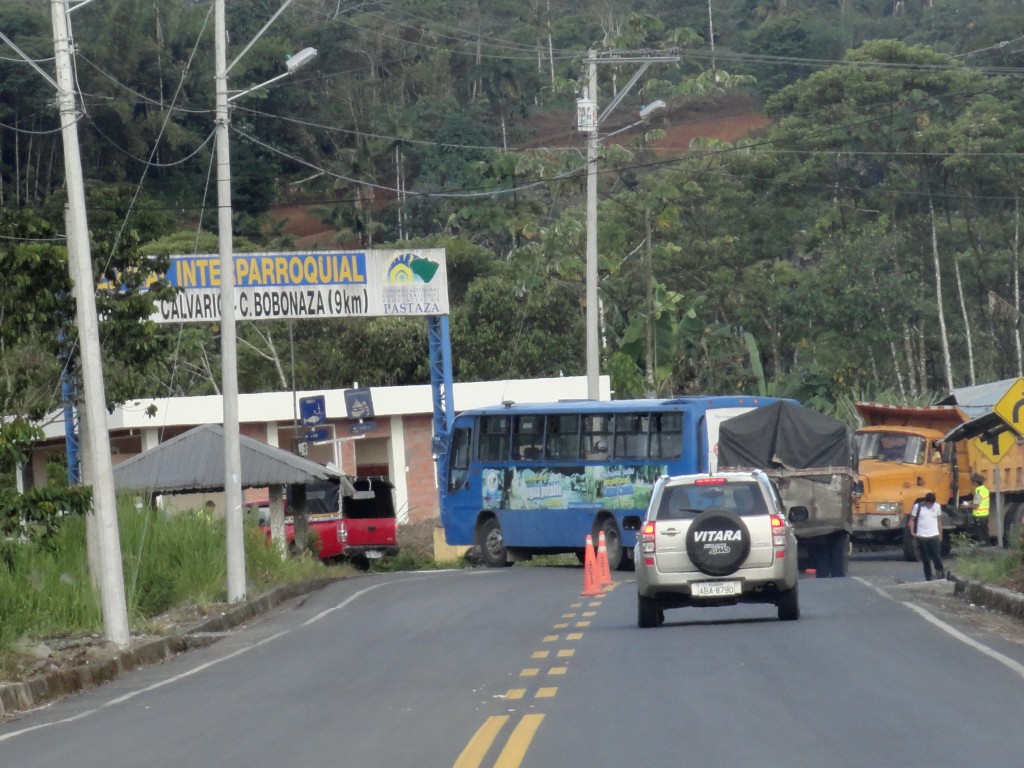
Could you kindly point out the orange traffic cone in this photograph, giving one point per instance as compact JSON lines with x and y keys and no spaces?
{"x":591,"y":581}
{"x":604,"y":574}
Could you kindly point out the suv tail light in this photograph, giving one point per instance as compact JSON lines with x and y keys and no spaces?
{"x":647,"y":538}
{"x":779,"y":535}
{"x":342,"y":532}
{"x":710,"y":481}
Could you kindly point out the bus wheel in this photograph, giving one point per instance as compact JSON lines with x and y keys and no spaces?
{"x":612,"y":543}
{"x":492,"y":545}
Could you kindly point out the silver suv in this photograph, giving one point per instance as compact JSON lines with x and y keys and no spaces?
{"x":711,"y":540}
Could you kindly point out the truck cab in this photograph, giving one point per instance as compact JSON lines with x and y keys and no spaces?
{"x":900,"y":457}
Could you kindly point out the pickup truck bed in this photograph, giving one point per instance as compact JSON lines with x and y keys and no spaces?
{"x":361,"y":528}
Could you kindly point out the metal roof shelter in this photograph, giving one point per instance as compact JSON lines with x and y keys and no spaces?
{"x":978,"y":403}
{"x":193,"y":462}
{"x":980,"y":399}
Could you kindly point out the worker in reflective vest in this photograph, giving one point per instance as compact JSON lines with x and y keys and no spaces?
{"x":980,"y":507}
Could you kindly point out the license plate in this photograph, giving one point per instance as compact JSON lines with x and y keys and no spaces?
{"x":716,"y":588}
{"x":374,"y":554}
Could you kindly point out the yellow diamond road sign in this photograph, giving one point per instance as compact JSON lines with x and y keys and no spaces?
{"x":1010,"y":407}
{"x":994,"y":447}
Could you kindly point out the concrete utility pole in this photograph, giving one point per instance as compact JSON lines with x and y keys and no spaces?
{"x":593,"y":311}
{"x":233,"y":513}
{"x":228,"y":339}
{"x":97,"y":439}
{"x":589,"y":121}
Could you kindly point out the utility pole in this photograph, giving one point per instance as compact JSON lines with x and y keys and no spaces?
{"x":97,"y":439}
{"x":593,"y":311}
{"x":228,"y":338}
{"x":233,"y":514}
{"x":588,"y":121}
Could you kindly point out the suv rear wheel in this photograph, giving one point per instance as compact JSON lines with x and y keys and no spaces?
{"x":789,"y":604}
{"x":648,"y":614}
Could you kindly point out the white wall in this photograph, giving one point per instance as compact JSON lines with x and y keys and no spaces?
{"x":279,"y":407}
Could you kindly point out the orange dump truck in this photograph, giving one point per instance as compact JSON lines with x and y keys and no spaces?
{"x":900,"y":457}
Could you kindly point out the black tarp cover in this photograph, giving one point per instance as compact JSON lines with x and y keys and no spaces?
{"x":784,"y":433}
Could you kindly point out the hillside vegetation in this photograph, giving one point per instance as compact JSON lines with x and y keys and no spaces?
{"x":863,"y":242}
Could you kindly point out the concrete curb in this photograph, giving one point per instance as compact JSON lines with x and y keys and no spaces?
{"x":17,"y":697}
{"x":999,"y":599}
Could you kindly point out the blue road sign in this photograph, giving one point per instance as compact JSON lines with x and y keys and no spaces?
{"x":316,"y":435}
{"x":359,"y":403}
{"x":312,"y":410}
{"x":363,"y":427}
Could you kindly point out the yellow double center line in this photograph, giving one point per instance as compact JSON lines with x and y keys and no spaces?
{"x":515,"y":748}
{"x":519,"y":740}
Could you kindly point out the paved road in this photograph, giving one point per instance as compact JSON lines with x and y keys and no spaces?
{"x":513,"y":668}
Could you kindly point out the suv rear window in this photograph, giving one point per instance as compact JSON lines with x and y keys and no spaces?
{"x":685,"y":502}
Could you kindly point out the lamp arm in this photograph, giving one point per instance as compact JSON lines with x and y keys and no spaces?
{"x":32,"y":63}
{"x":257,"y":87}
{"x":259,"y":34}
{"x":622,"y":92}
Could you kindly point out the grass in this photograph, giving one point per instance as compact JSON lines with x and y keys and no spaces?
{"x":999,"y":567}
{"x":169,"y":562}
{"x":172,"y":565}
{"x":416,"y":551}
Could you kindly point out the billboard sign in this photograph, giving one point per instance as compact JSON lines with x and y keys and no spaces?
{"x":313,"y":284}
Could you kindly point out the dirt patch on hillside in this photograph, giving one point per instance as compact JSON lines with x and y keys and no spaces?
{"x":729,"y":120}
{"x":309,"y":230}
{"x":299,"y":221}
{"x":726,"y":127}
{"x":732,"y":119}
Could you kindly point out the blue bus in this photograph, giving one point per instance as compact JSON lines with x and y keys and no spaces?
{"x":521,"y":479}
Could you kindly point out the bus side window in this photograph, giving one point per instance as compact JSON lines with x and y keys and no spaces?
{"x":563,"y":436}
{"x":596,"y":437}
{"x":494,"y":438}
{"x":527,"y":437}
{"x":458,"y":469}
{"x":666,"y":435}
{"x":631,"y":436}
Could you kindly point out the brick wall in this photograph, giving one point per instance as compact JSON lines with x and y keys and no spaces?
{"x":420,"y":478}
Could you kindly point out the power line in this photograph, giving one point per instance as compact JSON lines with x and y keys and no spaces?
{"x":386,"y":188}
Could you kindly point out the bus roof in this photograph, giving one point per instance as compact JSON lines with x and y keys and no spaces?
{"x":622,"y":406}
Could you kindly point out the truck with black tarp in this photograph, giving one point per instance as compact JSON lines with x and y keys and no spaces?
{"x":812,"y":460}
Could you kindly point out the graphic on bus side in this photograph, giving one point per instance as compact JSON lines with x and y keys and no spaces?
{"x":618,"y":486}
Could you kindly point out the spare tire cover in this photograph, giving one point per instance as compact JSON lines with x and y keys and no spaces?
{"x":718,"y":542}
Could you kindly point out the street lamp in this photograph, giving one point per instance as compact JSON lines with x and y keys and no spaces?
{"x":94,"y":422}
{"x":228,"y":332}
{"x":588,"y":121}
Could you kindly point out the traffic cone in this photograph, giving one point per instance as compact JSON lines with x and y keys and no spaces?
{"x":604,"y":574}
{"x":591,"y":581}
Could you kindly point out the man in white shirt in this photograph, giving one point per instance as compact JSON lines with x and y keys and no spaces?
{"x":926,"y":525}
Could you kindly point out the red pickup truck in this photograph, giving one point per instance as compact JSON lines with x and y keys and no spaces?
{"x":359,"y":529}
